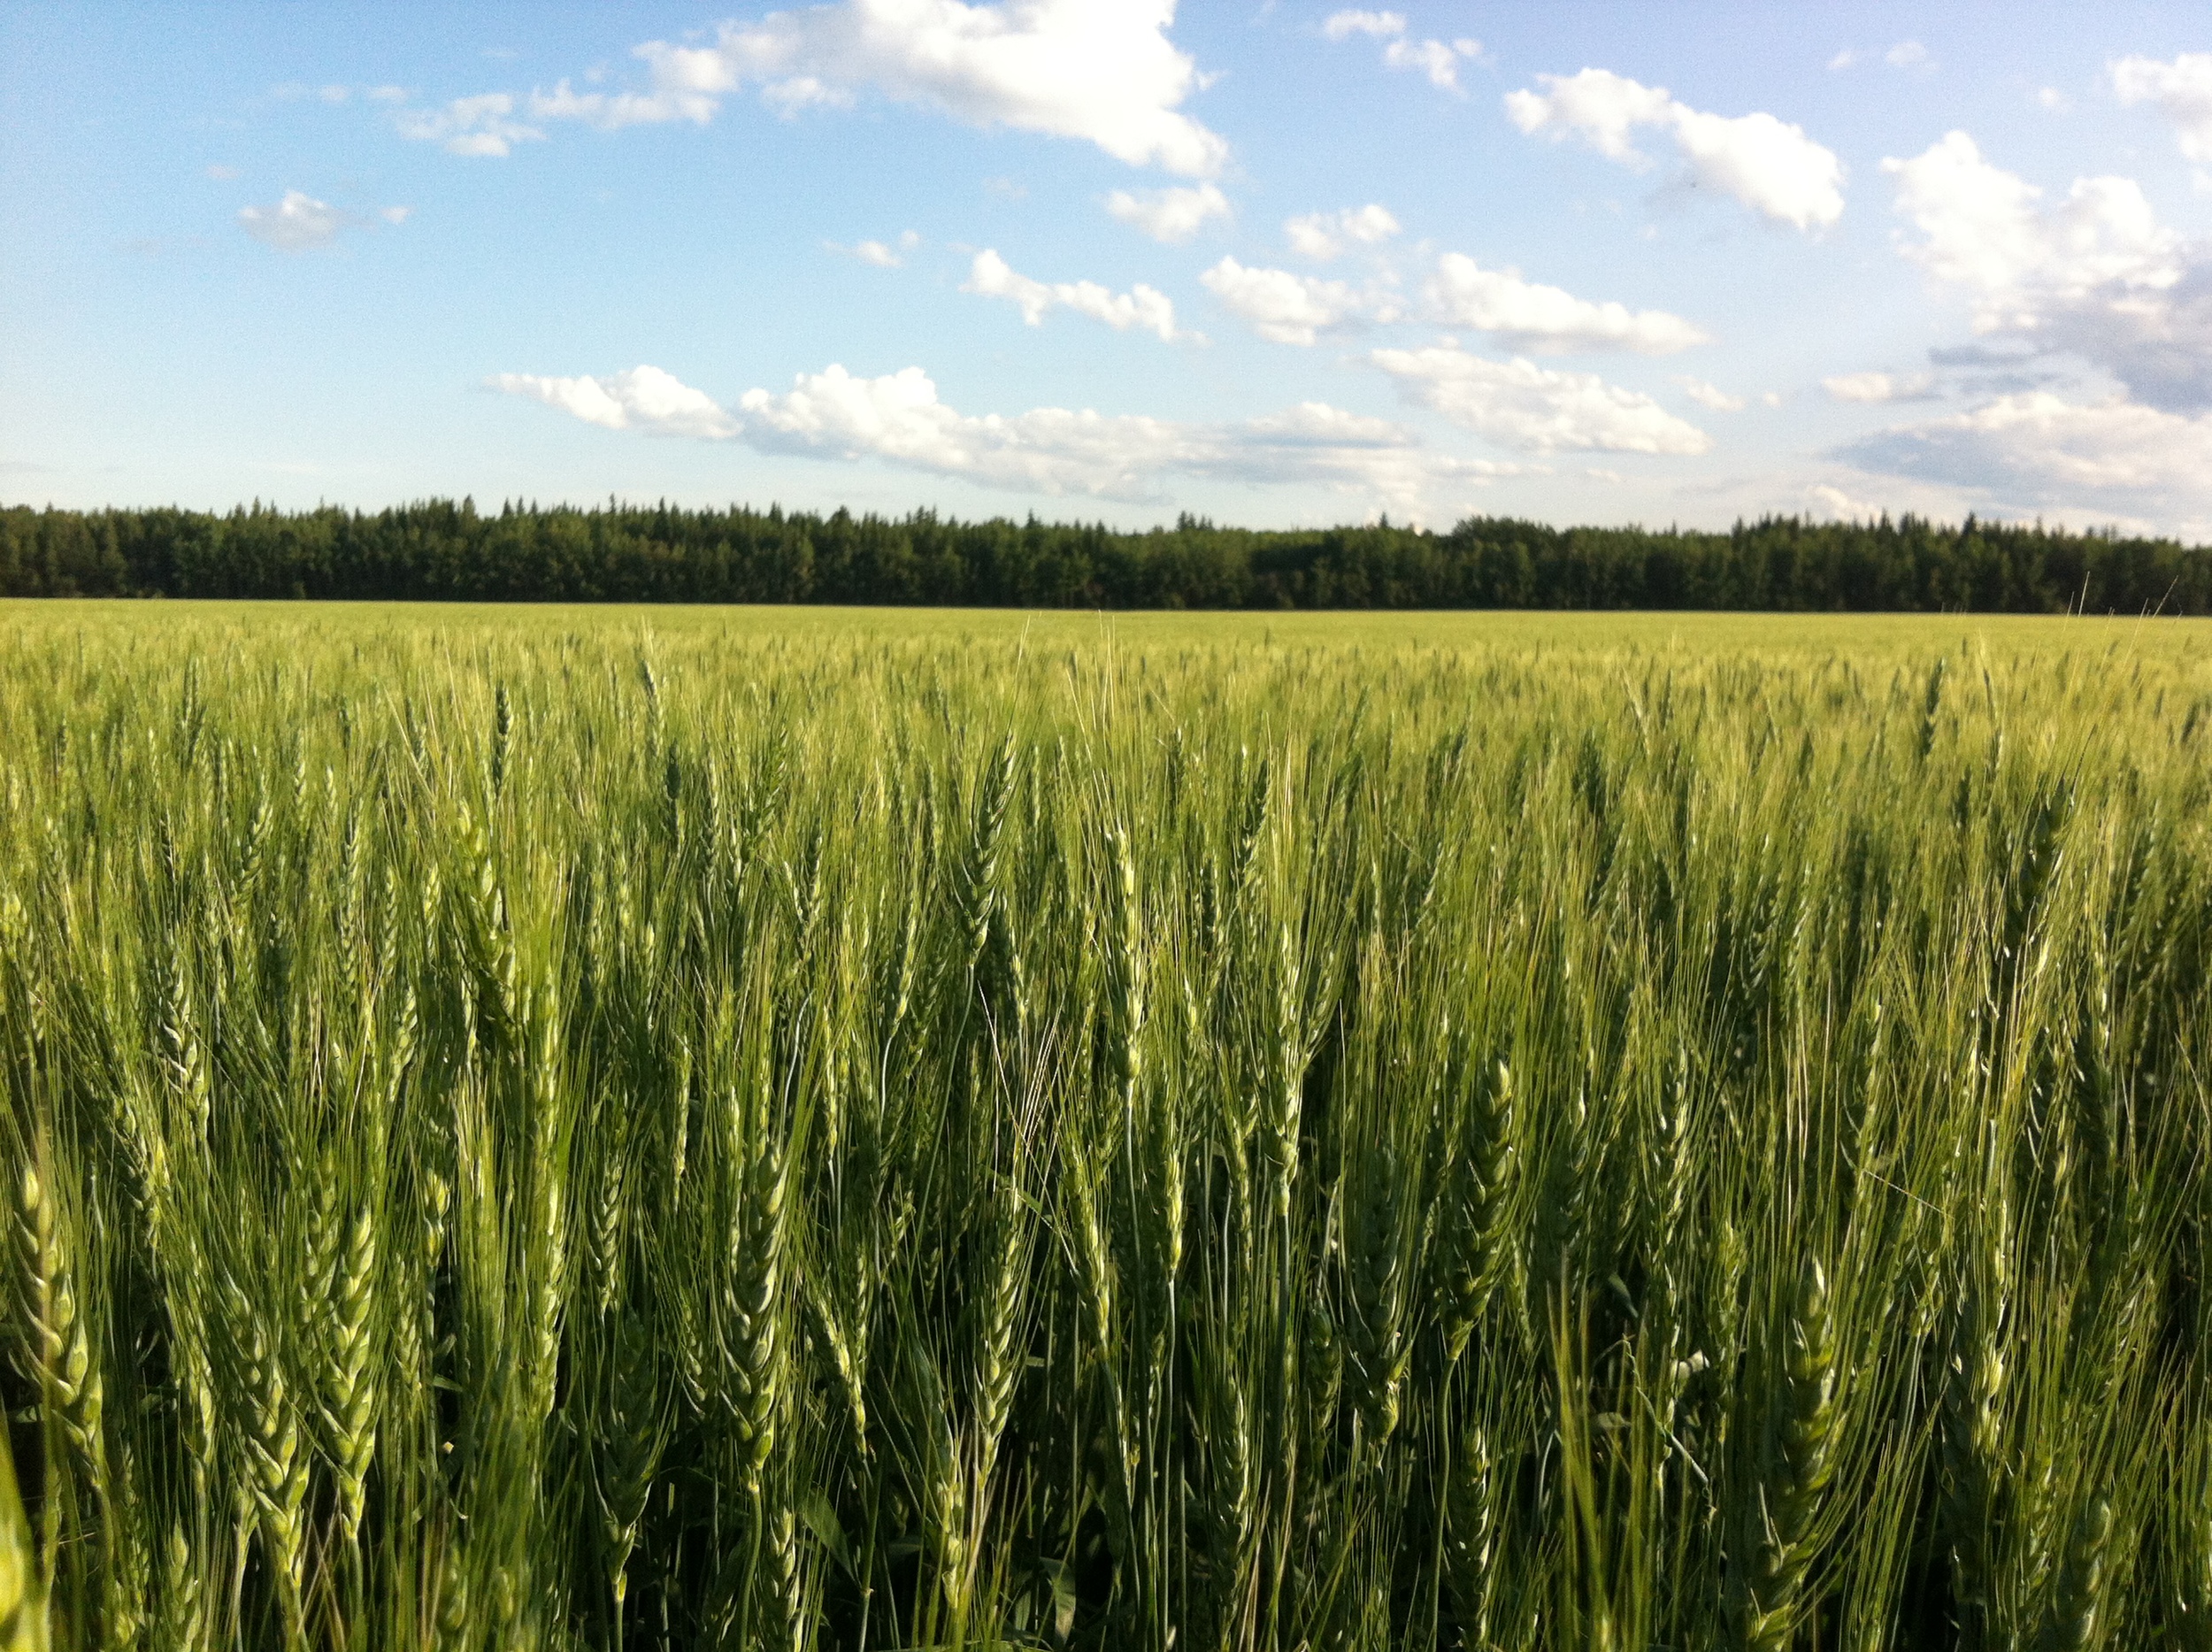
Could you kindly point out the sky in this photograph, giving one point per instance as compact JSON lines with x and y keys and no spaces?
{"x":1262,"y":261}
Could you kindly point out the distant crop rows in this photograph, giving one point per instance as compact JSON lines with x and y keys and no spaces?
{"x":559,"y":1136}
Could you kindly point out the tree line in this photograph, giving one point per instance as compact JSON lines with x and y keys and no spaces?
{"x":441,"y":550}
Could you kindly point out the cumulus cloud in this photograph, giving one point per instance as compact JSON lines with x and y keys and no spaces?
{"x":644,"y":398}
{"x":2038,"y":449}
{"x":1767,"y":164}
{"x":2096,"y":273}
{"x":1437,"y":60}
{"x":1288,"y":308}
{"x":1710,"y":395}
{"x":480,"y":127}
{"x":1325,"y":236}
{"x":1144,"y":308}
{"x":1879,"y":387}
{"x":1101,"y":71}
{"x":1519,"y":405}
{"x":1172,"y":216}
{"x":1548,"y":319}
{"x":300,"y":223}
{"x":899,"y":419}
{"x":1909,"y":54}
{"x":2182,"y":89}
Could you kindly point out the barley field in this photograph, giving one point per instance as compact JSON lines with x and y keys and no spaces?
{"x":605,"y":1129}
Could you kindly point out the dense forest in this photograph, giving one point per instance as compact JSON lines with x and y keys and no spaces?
{"x":439,"y":550}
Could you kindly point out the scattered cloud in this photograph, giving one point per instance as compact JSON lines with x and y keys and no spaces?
{"x":1767,"y":164}
{"x":644,"y":398}
{"x":385,"y":93}
{"x":1880,"y":387}
{"x":222,"y":175}
{"x":1905,"y":54}
{"x":1172,"y":216}
{"x":899,"y":419}
{"x":1106,"y":74}
{"x":2094,"y":273}
{"x":483,"y":127}
{"x":881,"y":254}
{"x":2051,"y":99}
{"x":335,"y":94}
{"x":1288,"y":308}
{"x":1006,"y":189}
{"x":2182,"y":89}
{"x":300,"y":223}
{"x":1519,"y":405}
{"x":1377,"y":25}
{"x":2038,"y":449}
{"x":1547,"y":319}
{"x":1831,"y":504}
{"x":1710,"y":395}
{"x":1437,"y":60}
{"x":1145,"y":309}
{"x":296,"y":224}
{"x":1325,"y":236}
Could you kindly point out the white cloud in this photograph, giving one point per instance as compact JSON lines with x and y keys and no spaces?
{"x":1288,"y":308}
{"x":222,"y":175}
{"x":335,"y":94}
{"x":2182,"y":88}
{"x":1323,"y":236}
{"x":899,"y":419}
{"x":1102,"y":70}
{"x":1519,"y":405}
{"x":1983,"y":230}
{"x":1172,"y":216}
{"x":880,"y":253}
{"x":2051,"y":99}
{"x":1842,"y":60}
{"x":1540,"y":319}
{"x":1144,"y":308}
{"x":483,"y":126}
{"x":1378,"y":25}
{"x":1767,"y":164}
{"x":2037,"y":450}
{"x":1908,"y":54}
{"x":1712,"y":396}
{"x":385,"y":93}
{"x":300,"y":223}
{"x":643,"y":398}
{"x":1831,"y":504}
{"x":1879,"y":387}
{"x":1437,"y":60}
{"x":296,"y":224}
{"x":2094,"y":273}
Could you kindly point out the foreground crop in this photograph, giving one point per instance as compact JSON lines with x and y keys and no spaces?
{"x":519,"y":1136}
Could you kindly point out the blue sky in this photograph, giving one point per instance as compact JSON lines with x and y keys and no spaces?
{"x":1276,"y":263}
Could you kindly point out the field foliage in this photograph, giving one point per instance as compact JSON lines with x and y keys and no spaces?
{"x":568,"y":1130}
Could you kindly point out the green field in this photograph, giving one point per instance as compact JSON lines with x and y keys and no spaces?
{"x":661,"y":1128}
